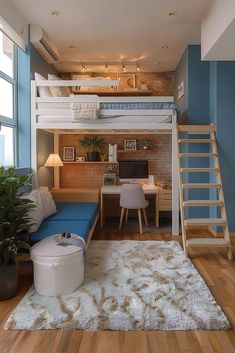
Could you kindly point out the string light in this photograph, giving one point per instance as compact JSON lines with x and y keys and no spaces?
{"x":83,"y":68}
{"x":137,"y":67}
{"x":123,"y":68}
{"x":106,"y":68}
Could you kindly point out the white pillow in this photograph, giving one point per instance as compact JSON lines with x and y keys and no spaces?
{"x":35,"y":214}
{"x":42,"y":91}
{"x":58,"y":91}
{"x":48,"y":204}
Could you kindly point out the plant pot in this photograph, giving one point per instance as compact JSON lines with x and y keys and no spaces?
{"x":8,"y":280}
{"x":92,"y":156}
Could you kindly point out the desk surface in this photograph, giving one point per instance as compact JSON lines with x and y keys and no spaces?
{"x":116,"y":189}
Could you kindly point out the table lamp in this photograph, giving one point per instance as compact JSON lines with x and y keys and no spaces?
{"x":54,"y":161}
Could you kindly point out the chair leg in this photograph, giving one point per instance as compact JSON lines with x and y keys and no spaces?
{"x":145,"y":217}
{"x":140,"y":221}
{"x":121,"y":218}
{"x":126,"y":215}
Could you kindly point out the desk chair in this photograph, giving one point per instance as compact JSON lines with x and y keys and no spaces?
{"x":132,"y":198}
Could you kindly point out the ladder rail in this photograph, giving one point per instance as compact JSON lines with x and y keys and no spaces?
{"x":221,"y":194}
{"x":181,"y":197}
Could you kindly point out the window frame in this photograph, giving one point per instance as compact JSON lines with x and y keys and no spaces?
{"x":12,"y":122}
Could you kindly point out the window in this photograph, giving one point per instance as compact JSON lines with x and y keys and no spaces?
{"x":8,"y":97}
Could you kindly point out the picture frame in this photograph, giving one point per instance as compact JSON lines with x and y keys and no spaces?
{"x":130,"y":145}
{"x":69,"y":153}
{"x":109,"y":179}
{"x":127,"y":82}
{"x":180,"y":90}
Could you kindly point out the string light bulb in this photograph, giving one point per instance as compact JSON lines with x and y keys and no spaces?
{"x":83,"y":68}
{"x":123,"y":68}
{"x":137,"y":67}
{"x":106,"y":68}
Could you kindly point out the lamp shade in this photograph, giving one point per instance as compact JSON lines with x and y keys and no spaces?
{"x":53,"y":161}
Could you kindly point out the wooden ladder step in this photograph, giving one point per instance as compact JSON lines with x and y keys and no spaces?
{"x":203,"y":203}
{"x":196,"y":128}
{"x":201,"y":155}
{"x":197,"y":140}
{"x":199,"y":170}
{"x":201,"y":186}
{"x":205,"y":242}
{"x":197,"y":222}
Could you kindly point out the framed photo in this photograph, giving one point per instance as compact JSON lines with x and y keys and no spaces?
{"x":69,"y":153}
{"x":180,"y":90}
{"x":109,"y":179}
{"x":130,"y":145}
{"x":126,"y":82}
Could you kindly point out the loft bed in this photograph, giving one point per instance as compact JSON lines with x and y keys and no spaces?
{"x":151,"y":115}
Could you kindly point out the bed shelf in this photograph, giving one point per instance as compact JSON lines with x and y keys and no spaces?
{"x":87,"y":162}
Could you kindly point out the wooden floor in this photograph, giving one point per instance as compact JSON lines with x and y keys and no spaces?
{"x":219,"y":274}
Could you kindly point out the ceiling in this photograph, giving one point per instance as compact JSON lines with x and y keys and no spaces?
{"x":110,"y":31}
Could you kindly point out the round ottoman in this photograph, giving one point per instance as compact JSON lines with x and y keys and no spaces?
{"x":57,"y":269}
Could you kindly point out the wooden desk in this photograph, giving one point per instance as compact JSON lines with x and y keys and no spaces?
{"x":116,"y":190}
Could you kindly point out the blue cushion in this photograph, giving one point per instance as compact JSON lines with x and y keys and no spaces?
{"x":82,"y":211}
{"x":47,"y":228}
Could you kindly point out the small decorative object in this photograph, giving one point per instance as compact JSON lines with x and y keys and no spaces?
{"x":14,"y":227}
{"x":92,"y":144}
{"x":80,"y":159}
{"x":103,"y":157}
{"x":180,"y":90}
{"x":126,"y":82}
{"x":109,"y":179}
{"x":69,"y":153}
{"x":145,"y":144}
{"x":110,"y":175}
{"x":113,"y":153}
{"x":130,"y":145}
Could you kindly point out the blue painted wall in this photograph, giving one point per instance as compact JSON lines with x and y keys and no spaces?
{"x":24,"y":121}
{"x":222,"y":107}
{"x":38,"y":64}
{"x":195,"y":111}
{"x":28,"y":63}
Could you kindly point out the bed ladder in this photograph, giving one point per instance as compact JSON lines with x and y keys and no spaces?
{"x":195,"y":135}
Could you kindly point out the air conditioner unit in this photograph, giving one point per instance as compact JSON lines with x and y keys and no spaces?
{"x":43,"y":44}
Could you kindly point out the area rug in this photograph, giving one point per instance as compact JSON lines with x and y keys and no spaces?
{"x":129,"y":285}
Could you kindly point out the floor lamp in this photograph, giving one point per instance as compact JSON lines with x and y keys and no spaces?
{"x":54,"y":161}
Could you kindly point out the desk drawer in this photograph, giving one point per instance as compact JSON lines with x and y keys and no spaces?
{"x":165,"y":205}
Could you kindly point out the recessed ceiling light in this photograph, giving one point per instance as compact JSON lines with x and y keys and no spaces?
{"x":55,"y":13}
{"x":165,"y":46}
{"x":173,"y":13}
{"x":71,"y":46}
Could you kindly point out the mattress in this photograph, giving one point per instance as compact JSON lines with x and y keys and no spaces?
{"x":118,"y":119}
{"x":116,"y":106}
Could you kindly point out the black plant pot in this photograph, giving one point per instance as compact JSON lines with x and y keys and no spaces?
{"x":92,"y":156}
{"x":8,"y":280}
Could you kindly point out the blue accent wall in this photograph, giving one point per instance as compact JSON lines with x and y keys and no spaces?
{"x":222,"y":107}
{"x":29,"y":62}
{"x":24,"y":116}
{"x":38,"y":64}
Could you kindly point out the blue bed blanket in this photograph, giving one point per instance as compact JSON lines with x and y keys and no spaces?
{"x":139,"y":106}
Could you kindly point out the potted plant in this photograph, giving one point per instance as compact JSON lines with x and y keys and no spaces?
{"x":14,"y":226}
{"x":145,"y":144}
{"x":92,"y":144}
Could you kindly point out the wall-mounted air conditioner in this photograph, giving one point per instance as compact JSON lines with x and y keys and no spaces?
{"x":43,"y":44}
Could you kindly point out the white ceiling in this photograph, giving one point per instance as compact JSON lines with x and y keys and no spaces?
{"x":113,"y":30}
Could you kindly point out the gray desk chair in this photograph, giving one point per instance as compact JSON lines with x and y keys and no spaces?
{"x":132,"y":198}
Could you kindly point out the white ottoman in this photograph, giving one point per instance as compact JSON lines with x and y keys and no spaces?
{"x":57,"y":270}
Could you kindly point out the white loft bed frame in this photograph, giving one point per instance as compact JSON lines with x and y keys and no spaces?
{"x":100,"y":127}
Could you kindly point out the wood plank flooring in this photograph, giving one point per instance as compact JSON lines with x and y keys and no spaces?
{"x":219,"y":274}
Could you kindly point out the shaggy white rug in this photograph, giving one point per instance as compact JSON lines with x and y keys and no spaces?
{"x":129,"y":285}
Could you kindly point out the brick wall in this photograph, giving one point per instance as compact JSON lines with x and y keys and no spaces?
{"x":157,"y":83}
{"x":91,"y":175}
